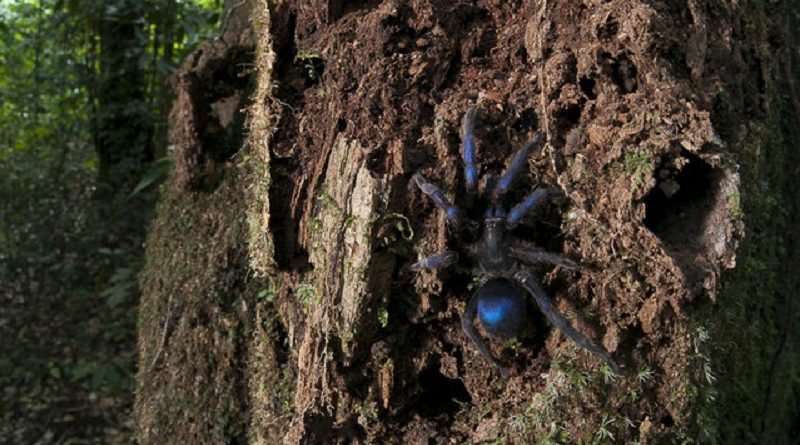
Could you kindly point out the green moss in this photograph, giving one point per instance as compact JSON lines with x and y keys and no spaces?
{"x":638,"y":167}
{"x":758,"y":387}
{"x":194,"y":276}
{"x":307,"y":295}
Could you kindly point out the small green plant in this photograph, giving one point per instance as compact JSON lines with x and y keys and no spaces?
{"x":605,"y":430}
{"x":54,"y":370}
{"x":159,"y":169}
{"x":735,"y":205}
{"x":307,"y":294}
{"x":383,"y":318}
{"x":637,"y":166}
{"x":269,"y":294}
{"x":607,"y":374}
{"x":645,"y":375}
{"x":311,"y":63}
{"x":403,"y":225}
{"x":122,"y":284}
{"x":367,"y":411}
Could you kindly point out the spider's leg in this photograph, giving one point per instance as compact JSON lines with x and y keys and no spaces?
{"x":441,"y":259}
{"x":529,"y":253}
{"x":518,"y":161}
{"x":437,"y":195}
{"x":530,"y":202}
{"x":530,"y":284}
{"x":467,"y":323}
{"x":468,"y":141}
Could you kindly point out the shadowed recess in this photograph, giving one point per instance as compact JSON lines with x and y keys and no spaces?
{"x":679,"y":205}
{"x":440,"y":394}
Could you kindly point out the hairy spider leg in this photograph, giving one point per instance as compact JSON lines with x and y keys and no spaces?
{"x":441,"y":259}
{"x":531,"y":254}
{"x":528,"y":203}
{"x":467,"y":323}
{"x":468,"y":142}
{"x":529,"y":283}
{"x":437,"y":195}
{"x":515,"y":166}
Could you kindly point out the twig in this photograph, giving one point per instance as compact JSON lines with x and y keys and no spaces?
{"x":164,"y":331}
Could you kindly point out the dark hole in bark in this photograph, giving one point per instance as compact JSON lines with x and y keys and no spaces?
{"x":527,"y":121}
{"x":338,"y":8}
{"x":289,"y":254}
{"x":608,"y":29}
{"x":440,"y":394}
{"x":311,"y":65}
{"x":341,"y":124}
{"x":679,"y":205}
{"x":587,"y":86}
{"x":621,"y":70}
{"x":522,"y":53}
{"x":567,"y":118}
{"x":677,"y":61}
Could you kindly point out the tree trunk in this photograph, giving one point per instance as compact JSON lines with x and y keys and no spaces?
{"x":278,"y":305}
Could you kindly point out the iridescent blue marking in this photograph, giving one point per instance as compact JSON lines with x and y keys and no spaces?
{"x":494,"y":312}
{"x":511,"y":173}
{"x":468,"y":138}
{"x":470,"y":170}
{"x":469,"y":149}
{"x":471,"y":174}
{"x":440,"y":259}
{"x":452,"y":212}
{"x":501,"y":308}
{"x":517,"y":162}
{"x":519,"y":210}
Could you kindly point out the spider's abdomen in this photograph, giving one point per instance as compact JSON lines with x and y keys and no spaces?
{"x":501,"y":308}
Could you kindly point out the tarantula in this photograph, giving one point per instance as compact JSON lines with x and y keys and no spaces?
{"x":500,"y":260}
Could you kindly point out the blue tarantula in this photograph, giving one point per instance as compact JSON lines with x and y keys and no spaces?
{"x":500,"y":260}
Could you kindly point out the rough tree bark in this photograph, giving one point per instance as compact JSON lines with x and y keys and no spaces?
{"x":277,"y":306}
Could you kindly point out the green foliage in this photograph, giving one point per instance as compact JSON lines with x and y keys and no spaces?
{"x":121,"y":285}
{"x":311,"y":63}
{"x":158,"y":171}
{"x":307,"y":295}
{"x":69,"y":262}
{"x":638,"y":166}
{"x":383,"y":318}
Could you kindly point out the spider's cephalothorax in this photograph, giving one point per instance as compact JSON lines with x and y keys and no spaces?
{"x":500,"y":261}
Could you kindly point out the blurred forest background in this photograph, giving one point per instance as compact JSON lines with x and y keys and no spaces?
{"x":84,"y":101}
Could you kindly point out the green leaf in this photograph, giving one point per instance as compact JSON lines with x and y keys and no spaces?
{"x":122,"y":284}
{"x":54,"y":370}
{"x":81,"y":370}
{"x":158,"y":169}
